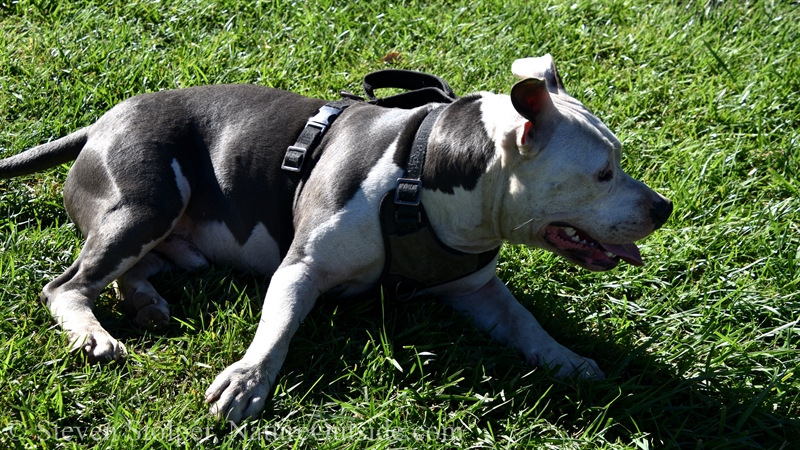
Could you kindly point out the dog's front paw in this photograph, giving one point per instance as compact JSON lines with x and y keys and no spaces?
{"x":240,"y":391}
{"x":568,"y":363}
{"x":98,"y":346}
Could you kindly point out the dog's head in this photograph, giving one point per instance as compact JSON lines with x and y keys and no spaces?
{"x":566,"y":191}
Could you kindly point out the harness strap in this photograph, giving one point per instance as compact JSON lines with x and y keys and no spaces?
{"x":422,"y":89}
{"x":409,"y":187}
{"x":312,"y":133}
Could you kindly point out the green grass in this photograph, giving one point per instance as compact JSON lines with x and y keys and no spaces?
{"x":700,"y":345}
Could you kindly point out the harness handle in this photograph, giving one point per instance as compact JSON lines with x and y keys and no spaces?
{"x":423,"y":88}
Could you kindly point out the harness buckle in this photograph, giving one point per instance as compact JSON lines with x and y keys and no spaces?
{"x":293,"y":159}
{"x":324,"y":117}
{"x":408,"y":192}
{"x":312,"y":133}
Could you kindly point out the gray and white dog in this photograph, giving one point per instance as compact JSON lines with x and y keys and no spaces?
{"x":178,"y":179}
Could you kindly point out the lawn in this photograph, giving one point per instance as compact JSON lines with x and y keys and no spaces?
{"x":699,"y":346}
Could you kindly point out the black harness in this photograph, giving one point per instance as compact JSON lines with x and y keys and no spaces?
{"x":415,"y":258}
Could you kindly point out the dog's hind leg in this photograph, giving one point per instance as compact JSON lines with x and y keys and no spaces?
{"x":123,"y":219}
{"x":70,"y":297}
{"x":139,"y":298}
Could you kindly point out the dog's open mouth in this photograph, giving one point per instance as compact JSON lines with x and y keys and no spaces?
{"x":577,"y":245}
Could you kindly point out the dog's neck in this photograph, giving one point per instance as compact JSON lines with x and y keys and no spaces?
{"x":467,"y":219}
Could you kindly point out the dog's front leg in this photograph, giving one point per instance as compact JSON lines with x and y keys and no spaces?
{"x":241,"y":390}
{"x":493,"y":308}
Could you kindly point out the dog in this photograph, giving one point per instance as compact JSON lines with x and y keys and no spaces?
{"x":179,"y":179}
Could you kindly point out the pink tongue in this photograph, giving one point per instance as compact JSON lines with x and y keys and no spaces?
{"x":627,"y":252}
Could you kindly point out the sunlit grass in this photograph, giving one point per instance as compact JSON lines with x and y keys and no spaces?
{"x":700,"y":345}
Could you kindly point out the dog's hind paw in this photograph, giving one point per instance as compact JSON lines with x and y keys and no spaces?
{"x":153,"y":317}
{"x":98,"y":347}
{"x":148,"y":309}
{"x":240,"y":391}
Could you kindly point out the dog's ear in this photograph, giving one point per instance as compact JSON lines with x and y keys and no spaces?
{"x":531,"y":99}
{"x":542,"y":67}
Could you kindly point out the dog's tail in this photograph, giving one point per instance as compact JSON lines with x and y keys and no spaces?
{"x":45,"y":156}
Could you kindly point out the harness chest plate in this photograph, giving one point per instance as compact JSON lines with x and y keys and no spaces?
{"x":418,"y":260}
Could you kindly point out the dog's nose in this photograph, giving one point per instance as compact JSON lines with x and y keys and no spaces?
{"x":660,"y":212}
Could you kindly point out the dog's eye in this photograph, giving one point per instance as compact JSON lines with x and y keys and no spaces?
{"x":605,"y":175}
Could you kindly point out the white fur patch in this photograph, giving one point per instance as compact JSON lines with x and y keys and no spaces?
{"x":501,"y":121}
{"x":181,"y":181}
{"x":216,"y":242}
{"x":350,"y":243}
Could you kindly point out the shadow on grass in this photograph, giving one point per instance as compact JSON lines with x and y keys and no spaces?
{"x":340,"y":355}
{"x":193,"y":298}
{"x":669,"y":402}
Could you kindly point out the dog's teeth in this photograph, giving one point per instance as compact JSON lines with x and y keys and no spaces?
{"x":609,"y":254}
{"x":583,"y":242}
{"x":570,"y":231}
{"x":575,"y":238}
